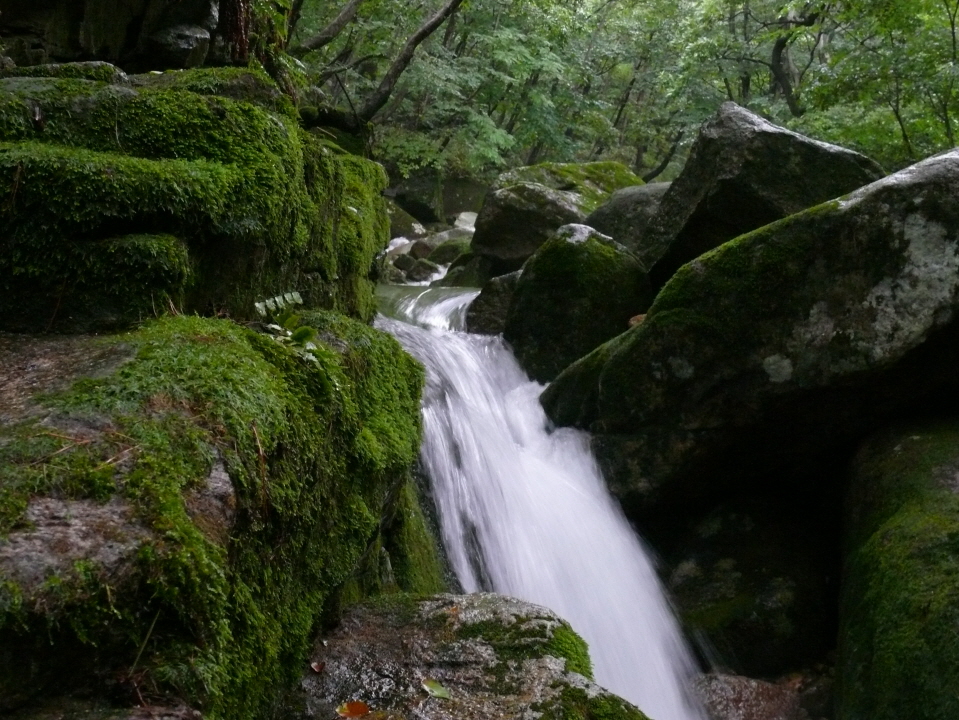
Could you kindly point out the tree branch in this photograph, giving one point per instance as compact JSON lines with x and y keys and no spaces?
{"x":379,"y":97}
{"x":329,"y":33}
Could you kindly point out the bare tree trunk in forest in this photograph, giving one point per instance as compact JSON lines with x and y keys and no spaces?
{"x":379,"y":97}
{"x":781,"y":74}
{"x":329,"y":33}
{"x":664,"y":163}
{"x":235,"y":28}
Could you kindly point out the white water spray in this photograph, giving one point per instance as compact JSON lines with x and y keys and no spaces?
{"x":525,"y":512}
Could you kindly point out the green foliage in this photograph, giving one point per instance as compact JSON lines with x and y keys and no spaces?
{"x":220,"y":617}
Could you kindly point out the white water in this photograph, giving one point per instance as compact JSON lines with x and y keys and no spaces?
{"x":526,"y":513}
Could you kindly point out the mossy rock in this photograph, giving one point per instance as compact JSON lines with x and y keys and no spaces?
{"x":743,"y":172}
{"x":468,"y":270}
{"x":900,"y":601}
{"x":594,"y":182}
{"x":446,"y":252}
{"x":258,"y":205}
{"x":517,"y":219}
{"x":93,"y":70}
{"x":576,"y":292}
{"x":770,"y":352}
{"x":176,"y":523}
{"x":493,"y":656}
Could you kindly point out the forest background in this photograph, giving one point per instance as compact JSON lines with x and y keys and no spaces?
{"x":500,"y":83}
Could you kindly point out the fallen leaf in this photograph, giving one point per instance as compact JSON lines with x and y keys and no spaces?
{"x":317,"y":666}
{"x":435,"y":689}
{"x":353,"y":709}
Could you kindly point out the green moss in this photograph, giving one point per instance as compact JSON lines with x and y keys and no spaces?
{"x":575,"y":704}
{"x":260,"y":205}
{"x":593,"y":181}
{"x":532,"y":638}
{"x":571,"y":298}
{"x":313,"y":451}
{"x":99,"y":71}
{"x":900,"y":608}
{"x":245,"y":84}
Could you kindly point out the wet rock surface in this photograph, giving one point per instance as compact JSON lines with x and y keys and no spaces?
{"x":496,"y":656}
{"x":733,"y":697}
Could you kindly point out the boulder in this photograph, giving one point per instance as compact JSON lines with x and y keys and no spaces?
{"x":748,"y":579}
{"x":404,"y":262}
{"x":518,"y":219}
{"x":592,"y":182}
{"x":625,"y":215}
{"x":898,"y":655}
{"x":200,"y":192}
{"x":742,"y":173}
{"x":577,"y":291}
{"x":733,"y":697}
{"x":422,"y":270}
{"x":446,"y":252}
{"x":468,"y":270}
{"x":527,"y":204}
{"x":129,"y":34}
{"x":486,"y":315}
{"x":470,"y":657}
{"x":402,"y":224}
{"x":180,"y":503}
{"x":764,"y":356}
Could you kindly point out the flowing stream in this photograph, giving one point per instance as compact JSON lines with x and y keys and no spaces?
{"x":525,"y":512}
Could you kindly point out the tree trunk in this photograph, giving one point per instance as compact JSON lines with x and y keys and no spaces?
{"x":379,"y":97}
{"x":329,"y":33}
{"x":664,"y":163}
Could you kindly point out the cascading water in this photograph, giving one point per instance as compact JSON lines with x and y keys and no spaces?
{"x":525,"y":512}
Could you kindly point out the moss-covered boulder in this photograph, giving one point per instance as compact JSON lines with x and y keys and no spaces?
{"x":448,"y":250}
{"x":526,"y":205}
{"x":625,"y":216}
{"x":179,"y":507}
{"x":773,"y":350}
{"x":467,"y":270}
{"x":122,"y":201}
{"x":577,"y":291}
{"x":742,"y":173}
{"x":592,"y":182}
{"x":900,"y":599}
{"x":483,"y":655}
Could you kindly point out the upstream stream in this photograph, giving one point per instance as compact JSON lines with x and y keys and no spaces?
{"x":524,"y":510}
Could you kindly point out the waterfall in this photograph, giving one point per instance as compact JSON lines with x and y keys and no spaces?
{"x":525,"y":512}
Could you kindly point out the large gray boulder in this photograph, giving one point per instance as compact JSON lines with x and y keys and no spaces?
{"x":898,"y":655}
{"x":518,"y":219}
{"x":743,"y":172}
{"x":576,"y":292}
{"x":778,"y":348}
{"x":526,"y":205}
{"x":626,"y":214}
{"x":485,"y":656}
